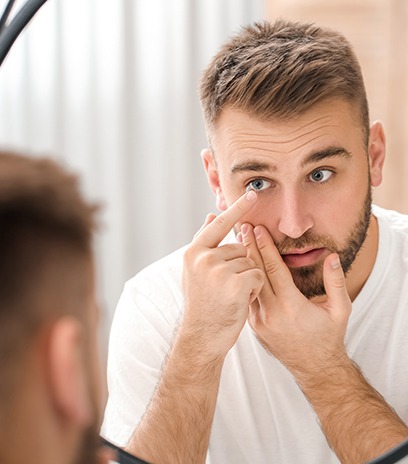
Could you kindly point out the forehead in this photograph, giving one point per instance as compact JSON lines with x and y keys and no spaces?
{"x":333,"y":123}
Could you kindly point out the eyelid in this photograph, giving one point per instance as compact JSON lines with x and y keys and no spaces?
{"x":322,"y":169}
{"x":258,"y":178}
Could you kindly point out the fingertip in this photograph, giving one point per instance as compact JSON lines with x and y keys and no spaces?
{"x":210,"y":217}
{"x":251,"y":195}
{"x":336,"y":287}
{"x":334,"y":261}
{"x":333,"y":273}
{"x":258,"y":232}
{"x":244,"y":228}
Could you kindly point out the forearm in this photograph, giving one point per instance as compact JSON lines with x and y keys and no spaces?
{"x":359,"y":425}
{"x":177,"y":423}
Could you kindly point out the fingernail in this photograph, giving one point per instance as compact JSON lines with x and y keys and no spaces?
{"x":244,"y":229}
{"x":251,"y":195}
{"x":335,"y":263}
{"x":239,"y":237}
{"x":257,"y":232}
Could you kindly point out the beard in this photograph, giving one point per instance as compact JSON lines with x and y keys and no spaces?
{"x":309,"y":279}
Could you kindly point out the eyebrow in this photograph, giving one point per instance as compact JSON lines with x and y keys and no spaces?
{"x":256,"y":166}
{"x":330,"y":152}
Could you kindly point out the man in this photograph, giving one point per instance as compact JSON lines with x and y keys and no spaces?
{"x":355,"y":418}
{"x":286,"y":116}
{"x":50,"y":394}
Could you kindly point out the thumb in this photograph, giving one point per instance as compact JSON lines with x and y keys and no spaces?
{"x":335,"y":286}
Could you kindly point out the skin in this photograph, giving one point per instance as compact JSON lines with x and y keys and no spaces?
{"x":176,"y":426}
{"x":308,"y":338}
{"x":292,"y":205}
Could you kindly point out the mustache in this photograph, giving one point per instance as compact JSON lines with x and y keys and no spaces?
{"x":308,"y":240}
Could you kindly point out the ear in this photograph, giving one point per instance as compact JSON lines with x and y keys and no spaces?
{"x":376,"y":152}
{"x":69,"y":383}
{"x":210,"y":167}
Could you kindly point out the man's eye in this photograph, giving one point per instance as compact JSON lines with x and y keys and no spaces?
{"x":258,"y":184}
{"x":320,"y":175}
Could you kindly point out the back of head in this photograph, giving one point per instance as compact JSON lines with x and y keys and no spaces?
{"x":45,"y":247}
{"x":280,"y":70}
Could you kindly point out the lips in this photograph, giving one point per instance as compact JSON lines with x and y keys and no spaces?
{"x":305,"y":257}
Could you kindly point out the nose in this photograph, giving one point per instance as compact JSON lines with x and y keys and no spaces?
{"x":295,"y":215}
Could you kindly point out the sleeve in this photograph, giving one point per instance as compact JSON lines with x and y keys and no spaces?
{"x":398,"y":454}
{"x":141,"y":335}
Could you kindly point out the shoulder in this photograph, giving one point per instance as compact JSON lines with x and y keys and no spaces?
{"x":393,"y":226}
{"x":149,"y":306}
{"x":393,"y":235}
{"x":165,"y":272}
{"x":168,"y":268}
{"x":390,"y":218}
{"x":156,"y":289}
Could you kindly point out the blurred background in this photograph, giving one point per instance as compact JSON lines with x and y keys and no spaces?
{"x":109,"y":88}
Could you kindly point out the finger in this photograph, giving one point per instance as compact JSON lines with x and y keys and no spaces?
{"x":266,"y":295}
{"x":231,"y":251}
{"x":335,"y":286}
{"x":212,"y":235}
{"x":240,"y":265}
{"x":249,"y":242}
{"x":254,"y":280}
{"x":278,"y":273}
{"x":209,"y":218}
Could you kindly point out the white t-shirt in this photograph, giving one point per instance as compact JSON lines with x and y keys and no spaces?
{"x":261,"y":414}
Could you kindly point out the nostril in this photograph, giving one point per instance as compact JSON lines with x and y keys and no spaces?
{"x":294,"y":228}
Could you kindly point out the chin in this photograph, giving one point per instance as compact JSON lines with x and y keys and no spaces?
{"x":309,"y":280}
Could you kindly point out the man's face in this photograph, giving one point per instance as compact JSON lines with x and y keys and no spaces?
{"x":312,"y":175}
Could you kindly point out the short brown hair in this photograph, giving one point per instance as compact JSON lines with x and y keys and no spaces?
{"x":46,"y":231}
{"x":280,"y":70}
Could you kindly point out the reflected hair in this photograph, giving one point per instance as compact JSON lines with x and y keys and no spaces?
{"x":46,"y":230}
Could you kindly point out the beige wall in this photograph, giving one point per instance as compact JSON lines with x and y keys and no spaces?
{"x":378,"y":29}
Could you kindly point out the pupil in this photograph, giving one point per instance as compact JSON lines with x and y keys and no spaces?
{"x":258,"y":184}
{"x":317,"y":175}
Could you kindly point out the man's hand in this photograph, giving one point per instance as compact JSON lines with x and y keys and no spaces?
{"x":305,"y":335}
{"x":219,"y":281}
{"x":219,"y":284}
{"x":308,"y":338}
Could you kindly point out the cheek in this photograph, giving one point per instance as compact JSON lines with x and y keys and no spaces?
{"x":339,"y":216}
{"x":262,"y":214}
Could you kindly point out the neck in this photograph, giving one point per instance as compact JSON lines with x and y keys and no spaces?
{"x":31,"y":428}
{"x":364,"y":262}
{"x":28,"y":437}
